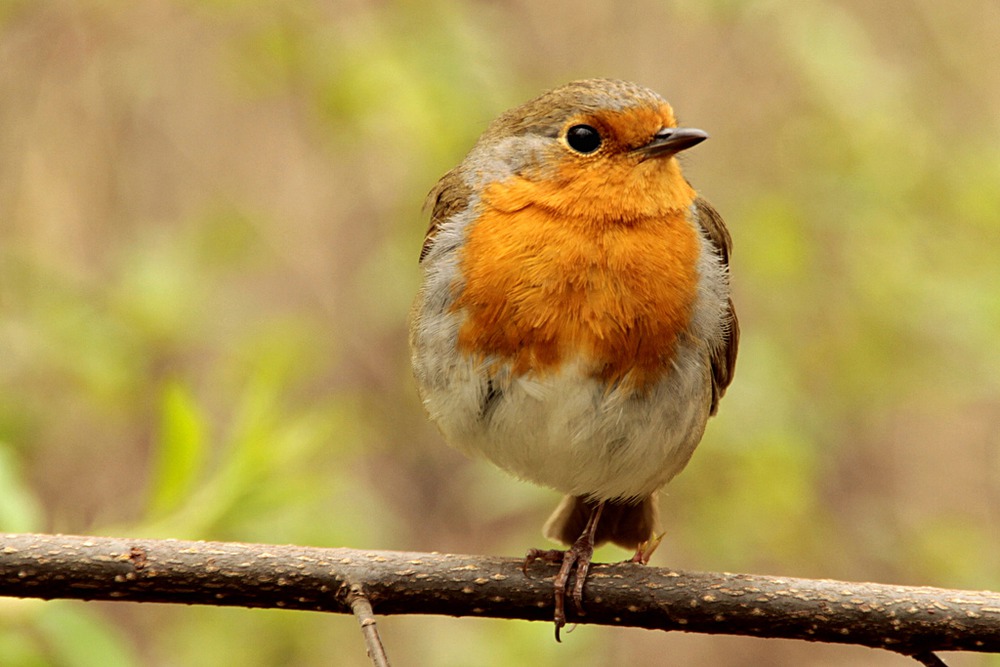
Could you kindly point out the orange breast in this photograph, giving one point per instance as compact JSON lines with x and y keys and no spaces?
{"x":548,"y":281}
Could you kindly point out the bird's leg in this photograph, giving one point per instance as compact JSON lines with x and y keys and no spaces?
{"x":579,"y":554}
{"x":581,"y":551}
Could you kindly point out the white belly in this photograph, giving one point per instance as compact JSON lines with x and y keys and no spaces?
{"x":566,"y":432}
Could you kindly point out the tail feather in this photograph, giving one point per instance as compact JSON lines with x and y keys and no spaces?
{"x":626,"y":524}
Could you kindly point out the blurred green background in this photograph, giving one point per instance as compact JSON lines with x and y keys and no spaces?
{"x":210,"y":216}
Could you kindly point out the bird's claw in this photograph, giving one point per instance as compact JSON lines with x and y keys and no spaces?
{"x":575,"y":559}
{"x":546,"y":555}
{"x":645,"y":550}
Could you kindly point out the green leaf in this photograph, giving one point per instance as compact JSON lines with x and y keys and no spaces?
{"x":78,"y":637}
{"x":20,"y":511}
{"x":180,"y":449}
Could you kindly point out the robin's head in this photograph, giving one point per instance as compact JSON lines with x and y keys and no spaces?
{"x":596,"y":148}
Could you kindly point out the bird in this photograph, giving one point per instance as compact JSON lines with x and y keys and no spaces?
{"x":574,"y":323}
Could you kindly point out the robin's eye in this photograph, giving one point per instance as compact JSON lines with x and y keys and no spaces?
{"x":583,"y":138}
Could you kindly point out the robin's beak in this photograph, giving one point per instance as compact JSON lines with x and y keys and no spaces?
{"x":671,"y":140}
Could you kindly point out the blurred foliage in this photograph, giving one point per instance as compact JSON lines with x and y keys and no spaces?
{"x":210,"y":214}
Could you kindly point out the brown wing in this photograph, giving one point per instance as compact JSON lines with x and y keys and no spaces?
{"x":724,"y":356}
{"x":448,"y":197}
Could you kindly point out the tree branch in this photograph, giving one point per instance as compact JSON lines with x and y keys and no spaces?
{"x":366,"y":618}
{"x":915,"y":621}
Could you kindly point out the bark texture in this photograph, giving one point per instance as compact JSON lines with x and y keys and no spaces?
{"x":905,"y":619}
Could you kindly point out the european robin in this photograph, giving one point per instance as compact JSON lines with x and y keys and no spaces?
{"x":574,"y":325}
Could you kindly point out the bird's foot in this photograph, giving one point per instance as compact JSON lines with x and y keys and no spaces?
{"x":645,"y":550}
{"x":577,"y":558}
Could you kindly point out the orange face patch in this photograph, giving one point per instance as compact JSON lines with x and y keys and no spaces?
{"x":631,"y":127}
{"x":598,"y":263}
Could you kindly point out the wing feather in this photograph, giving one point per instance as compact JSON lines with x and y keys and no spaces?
{"x":723,"y":357}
